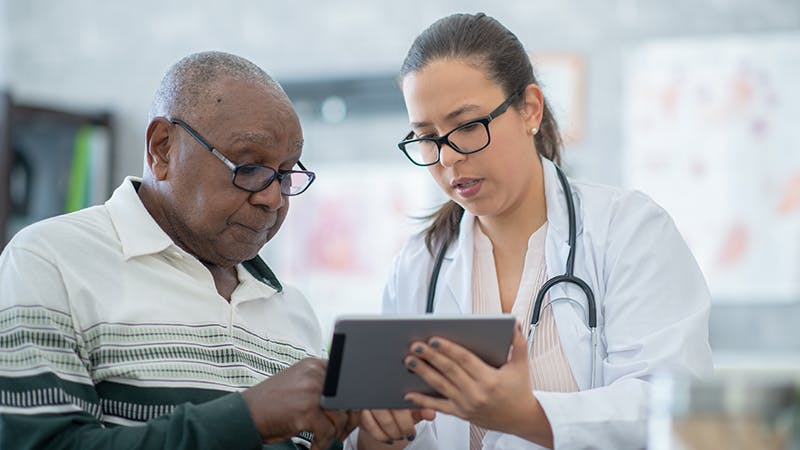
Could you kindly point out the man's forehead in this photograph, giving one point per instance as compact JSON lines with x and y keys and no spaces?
{"x":228,"y":97}
{"x":266,"y":139}
{"x":267,"y":110}
{"x":223,"y":87}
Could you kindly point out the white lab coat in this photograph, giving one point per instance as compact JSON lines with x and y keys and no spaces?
{"x":653,"y":310}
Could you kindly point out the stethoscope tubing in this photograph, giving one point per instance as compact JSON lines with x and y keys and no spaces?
{"x":567,"y":277}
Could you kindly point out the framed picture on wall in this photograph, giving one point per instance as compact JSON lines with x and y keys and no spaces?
{"x":710,"y":132}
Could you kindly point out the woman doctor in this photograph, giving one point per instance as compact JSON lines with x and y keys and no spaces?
{"x":481,"y":126}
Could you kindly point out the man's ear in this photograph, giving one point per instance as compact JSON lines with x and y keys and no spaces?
{"x":533,"y":107}
{"x":159,"y":142}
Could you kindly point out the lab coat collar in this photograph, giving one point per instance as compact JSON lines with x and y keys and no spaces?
{"x":557,"y":242}
{"x":557,"y":213}
{"x":458,"y":275}
{"x":556,"y":252}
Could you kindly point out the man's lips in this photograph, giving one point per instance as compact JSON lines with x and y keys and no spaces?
{"x":252,"y":228}
{"x":258,"y":227}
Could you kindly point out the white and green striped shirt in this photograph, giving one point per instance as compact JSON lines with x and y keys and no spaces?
{"x":105,"y":324}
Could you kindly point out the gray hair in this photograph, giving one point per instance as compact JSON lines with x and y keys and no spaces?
{"x":192,"y":78}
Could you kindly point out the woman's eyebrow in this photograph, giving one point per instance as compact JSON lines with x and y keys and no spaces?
{"x":450,"y":116}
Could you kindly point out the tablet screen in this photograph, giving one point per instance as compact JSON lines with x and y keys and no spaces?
{"x":366,"y":370}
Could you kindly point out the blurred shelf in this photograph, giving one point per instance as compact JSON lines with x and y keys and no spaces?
{"x":757,"y":364}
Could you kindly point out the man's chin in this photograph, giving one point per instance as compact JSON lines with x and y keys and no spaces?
{"x":231,"y":255}
{"x":233,"y":258}
{"x":241,"y":247}
{"x":241,"y":252}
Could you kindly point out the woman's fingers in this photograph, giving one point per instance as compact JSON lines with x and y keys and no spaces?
{"x":423,"y":414}
{"x":519,"y":347}
{"x":371,"y":425}
{"x":447,"y":367}
{"x":436,"y":379}
{"x":470,"y":364}
{"x":428,"y":403}
{"x":472,"y":389}
{"x":389,"y":425}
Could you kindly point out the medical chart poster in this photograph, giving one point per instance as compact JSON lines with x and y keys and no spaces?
{"x":712,"y":133}
{"x":341,"y":236}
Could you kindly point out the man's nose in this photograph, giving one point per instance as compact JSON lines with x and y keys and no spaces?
{"x":270,"y":197}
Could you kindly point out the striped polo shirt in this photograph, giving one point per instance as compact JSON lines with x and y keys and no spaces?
{"x":111,"y":336}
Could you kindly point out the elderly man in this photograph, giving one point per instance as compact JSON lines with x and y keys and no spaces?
{"x":150,"y":321}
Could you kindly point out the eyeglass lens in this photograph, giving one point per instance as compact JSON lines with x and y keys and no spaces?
{"x":254,"y":178}
{"x":468,"y":138}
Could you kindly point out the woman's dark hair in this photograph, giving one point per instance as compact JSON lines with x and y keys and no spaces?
{"x":485,"y":42}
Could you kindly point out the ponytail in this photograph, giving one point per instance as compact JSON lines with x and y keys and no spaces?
{"x":484,"y":41}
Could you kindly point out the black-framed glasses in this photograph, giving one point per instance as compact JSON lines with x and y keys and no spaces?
{"x":255,"y":177}
{"x":467,"y":138}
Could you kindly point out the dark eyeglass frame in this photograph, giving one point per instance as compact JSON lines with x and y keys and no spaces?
{"x":279,"y":175}
{"x":445,"y":139}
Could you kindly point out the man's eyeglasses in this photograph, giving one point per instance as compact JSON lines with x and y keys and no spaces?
{"x":470,"y":137}
{"x":255,"y":177}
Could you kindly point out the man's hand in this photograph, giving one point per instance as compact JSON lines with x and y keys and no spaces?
{"x":288,"y":403}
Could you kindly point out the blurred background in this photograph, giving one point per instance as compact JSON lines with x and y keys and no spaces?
{"x":694,"y":102}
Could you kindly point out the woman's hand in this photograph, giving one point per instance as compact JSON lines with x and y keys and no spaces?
{"x":390,"y":428}
{"x":497,"y":399}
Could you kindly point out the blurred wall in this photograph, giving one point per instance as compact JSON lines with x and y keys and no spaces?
{"x":86,"y":54}
{"x":3,"y":45}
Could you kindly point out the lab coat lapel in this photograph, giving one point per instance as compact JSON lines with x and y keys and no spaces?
{"x":570,"y":322}
{"x":557,"y":243}
{"x":457,"y":275}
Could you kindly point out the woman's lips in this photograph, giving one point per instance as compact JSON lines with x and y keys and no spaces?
{"x":467,"y":187}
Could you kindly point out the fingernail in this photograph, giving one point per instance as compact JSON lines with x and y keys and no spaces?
{"x":411,"y":364}
{"x":410,"y":437}
{"x":389,"y":442}
{"x":418,"y":349}
{"x":435,"y":343}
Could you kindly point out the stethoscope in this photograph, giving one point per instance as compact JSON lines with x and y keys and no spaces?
{"x":567,"y":277}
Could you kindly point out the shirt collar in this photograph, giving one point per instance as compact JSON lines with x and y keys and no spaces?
{"x":138,"y":232}
{"x":140,"y":235}
{"x":250,"y":288}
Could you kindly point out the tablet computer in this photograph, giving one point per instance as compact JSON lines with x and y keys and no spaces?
{"x":366,"y":371}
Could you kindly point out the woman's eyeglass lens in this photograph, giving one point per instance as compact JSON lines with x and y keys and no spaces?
{"x":468,"y":138}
